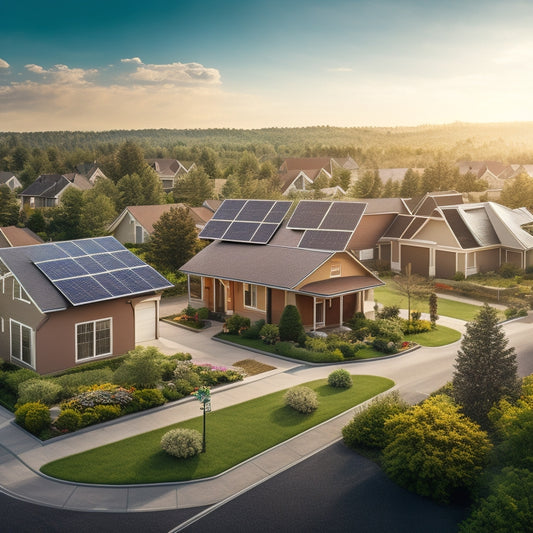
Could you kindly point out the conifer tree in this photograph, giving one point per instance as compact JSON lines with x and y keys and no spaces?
{"x":485,"y":367}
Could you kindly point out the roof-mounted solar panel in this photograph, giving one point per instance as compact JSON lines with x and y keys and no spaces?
{"x":308,"y":214}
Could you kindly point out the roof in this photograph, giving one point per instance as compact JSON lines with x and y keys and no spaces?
{"x":13,"y":236}
{"x":21,"y":261}
{"x":273,"y":266}
{"x":6,"y":176}
{"x":330,"y":288}
{"x":212,"y":205}
{"x":51,"y":185}
{"x":165,"y":167}
{"x":307,"y":163}
{"x":427,"y":204}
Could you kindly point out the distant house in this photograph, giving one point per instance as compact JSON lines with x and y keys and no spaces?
{"x":9,"y":179}
{"x":169,"y":171}
{"x":71,"y":302}
{"x":13,"y":236}
{"x":136,"y":223}
{"x":496,"y":174}
{"x":263,"y":260}
{"x":91,"y":171}
{"x":298,"y":174}
{"x":47,"y":189}
{"x":466,"y":238}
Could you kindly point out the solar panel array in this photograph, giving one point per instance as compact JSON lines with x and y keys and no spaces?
{"x":93,"y":270}
{"x":250,"y":221}
{"x":326,"y":225}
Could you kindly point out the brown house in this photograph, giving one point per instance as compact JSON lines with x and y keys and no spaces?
{"x":262,"y":260}
{"x":71,"y":302}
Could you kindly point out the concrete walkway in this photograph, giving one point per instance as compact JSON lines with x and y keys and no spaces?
{"x":22,"y":455}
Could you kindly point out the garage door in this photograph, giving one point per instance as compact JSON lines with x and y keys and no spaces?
{"x":145,"y":324}
{"x":418,"y":257}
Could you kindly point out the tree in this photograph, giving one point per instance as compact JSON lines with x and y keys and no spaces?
{"x":391,"y":189}
{"x":433,"y":308}
{"x":290,"y":324}
{"x":469,"y":182}
{"x":341,"y":177}
{"x":485,"y":367}
{"x":129,"y":160}
{"x":9,"y":207}
{"x":194,"y":188}
{"x":441,"y":176}
{"x":130,"y":190}
{"x":174,"y":240}
{"x":368,"y":185}
{"x":208,"y":161}
{"x":411,"y":285}
{"x":434,"y":450}
{"x":65,"y":220}
{"x":410,"y":184}
{"x":518,"y":192}
{"x":97,"y":212}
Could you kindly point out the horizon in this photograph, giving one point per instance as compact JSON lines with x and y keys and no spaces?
{"x":250,"y":65}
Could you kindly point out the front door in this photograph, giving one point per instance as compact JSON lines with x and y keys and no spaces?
{"x":320,"y":310}
{"x":220,"y":297}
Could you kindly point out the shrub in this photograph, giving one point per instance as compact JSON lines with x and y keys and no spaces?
{"x":148,"y":398}
{"x":410,"y":327}
{"x":203,"y":313}
{"x":89,"y":417}
{"x":288,"y":349}
{"x":35,"y":390}
{"x":68,"y":419}
{"x":184,"y":387}
{"x":389,"y":311}
{"x":459,"y":276}
{"x":106,"y":412}
{"x":182,"y":442}
{"x":185,"y":371}
{"x":290,"y":325}
{"x":366,"y":429}
{"x":141,"y":369}
{"x":302,"y":399}
{"x":253,"y":331}
{"x":340,"y":378}
{"x":33,"y":416}
{"x":315,"y":344}
{"x":13,"y":379}
{"x":509,"y":270}
{"x":235,"y":324}
{"x":384,"y":345}
{"x":269,"y":334}
{"x":388,"y":330}
{"x":71,"y":384}
{"x":514,"y":312}
{"x":170,"y":393}
{"x":349,"y":349}
{"x":105,"y":394}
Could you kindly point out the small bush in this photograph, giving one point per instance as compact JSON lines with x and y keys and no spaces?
{"x":89,"y":417}
{"x":13,"y":379}
{"x":105,"y":394}
{"x":384,"y":345}
{"x":236,"y":324}
{"x":106,"y":412}
{"x":269,"y":334}
{"x":203,"y":313}
{"x":253,"y":331}
{"x":389,"y":330}
{"x":340,"y":378}
{"x":35,"y":390}
{"x":410,"y":327}
{"x":288,"y":349}
{"x":170,"y":393}
{"x":515,"y":312}
{"x":184,"y":387}
{"x":141,"y":369}
{"x":316,"y":344}
{"x":459,"y":276}
{"x":182,"y":443}
{"x":302,"y":399}
{"x":71,"y":384}
{"x":68,"y":419}
{"x":509,"y":270}
{"x":33,"y":416}
{"x":389,"y":311}
{"x":148,"y":398}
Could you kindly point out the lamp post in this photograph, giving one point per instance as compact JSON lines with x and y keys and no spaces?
{"x":203,"y":395}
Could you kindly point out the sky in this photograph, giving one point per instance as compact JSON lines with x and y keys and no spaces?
{"x":120,"y":64}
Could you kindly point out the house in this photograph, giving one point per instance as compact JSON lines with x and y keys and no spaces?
{"x":70,"y":302}
{"x":262,"y":260}
{"x":47,"y":189}
{"x":298,"y":174}
{"x":467,"y":238}
{"x":169,"y":171}
{"x":136,"y":223}
{"x":91,"y":171}
{"x":9,"y":179}
{"x":13,"y":236}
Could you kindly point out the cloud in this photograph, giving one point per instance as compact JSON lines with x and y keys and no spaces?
{"x":3,"y":63}
{"x":62,"y":73}
{"x":132,"y":60}
{"x":176,"y":74}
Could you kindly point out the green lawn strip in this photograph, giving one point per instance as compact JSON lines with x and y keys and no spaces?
{"x":388,"y":296}
{"x":234,"y":434}
{"x":436,"y":337}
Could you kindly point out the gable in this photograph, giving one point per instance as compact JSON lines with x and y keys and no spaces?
{"x":438,"y":232}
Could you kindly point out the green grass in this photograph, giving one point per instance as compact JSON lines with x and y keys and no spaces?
{"x":234,"y":434}
{"x":436,"y":337}
{"x":389,"y":296}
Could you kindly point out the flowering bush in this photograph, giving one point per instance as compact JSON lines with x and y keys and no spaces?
{"x":302,"y":399}
{"x":182,"y":442}
{"x":213,"y":375}
{"x":106,"y":394}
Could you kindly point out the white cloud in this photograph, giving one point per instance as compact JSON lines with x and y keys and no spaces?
{"x":3,"y":63}
{"x":132,"y":60}
{"x":177,"y":74}
{"x":62,"y":73}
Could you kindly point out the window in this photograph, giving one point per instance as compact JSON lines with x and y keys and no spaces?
{"x":366,"y":255}
{"x":93,"y":339}
{"x":250,"y":295}
{"x":21,"y":343}
{"x":195,"y":287}
{"x":19,"y":293}
{"x":335,"y":271}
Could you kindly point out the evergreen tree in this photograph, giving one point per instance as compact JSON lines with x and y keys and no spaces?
{"x":410,"y":184}
{"x":433,"y":309}
{"x":290,"y":324}
{"x":441,"y":176}
{"x":129,"y":160}
{"x":9,"y":208}
{"x":485,"y":367}
{"x":194,"y":188}
{"x":518,"y":192}
{"x":174,"y":240}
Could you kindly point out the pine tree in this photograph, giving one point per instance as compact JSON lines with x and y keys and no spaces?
{"x":485,"y":367}
{"x":290,"y":324}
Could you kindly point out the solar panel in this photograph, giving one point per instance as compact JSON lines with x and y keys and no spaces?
{"x":108,"y":261}
{"x":70,"y":248}
{"x":241,"y":231}
{"x":128,"y":258}
{"x":45,"y":252}
{"x":278,"y":212}
{"x":264,"y":233}
{"x":90,"y":265}
{"x":325,"y":240}
{"x":308,"y":214}
{"x":112,"y":284}
{"x":82,"y":290}
{"x":343,"y":216}
{"x":132,"y":280}
{"x":90,"y":246}
{"x":61,"y":268}
{"x":152,"y":277}
{"x":214,"y":229}
{"x":229,"y":209}
{"x":110,"y":244}
{"x":255,"y":210}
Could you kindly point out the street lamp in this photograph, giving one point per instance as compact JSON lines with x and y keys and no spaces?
{"x":203,"y":395}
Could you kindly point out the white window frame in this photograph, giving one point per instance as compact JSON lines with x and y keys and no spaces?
{"x":335,"y":270}
{"x":251,"y":289}
{"x":367,"y":254}
{"x":19,"y":293}
{"x":19,"y":357}
{"x":94,"y":339}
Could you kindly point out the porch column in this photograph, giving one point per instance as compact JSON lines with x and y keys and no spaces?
{"x":314,"y":313}
{"x":341,"y":310}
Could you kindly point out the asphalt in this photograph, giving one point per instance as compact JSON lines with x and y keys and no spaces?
{"x":22,"y":455}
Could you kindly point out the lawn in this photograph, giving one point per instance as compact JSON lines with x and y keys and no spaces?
{"x":439,"y":336}
{"x":234,"y":434}
{"x":388,"y":296}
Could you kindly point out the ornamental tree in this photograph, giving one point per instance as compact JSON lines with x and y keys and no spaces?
{"x":485,"y":367}
{"x":290,"y":324}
